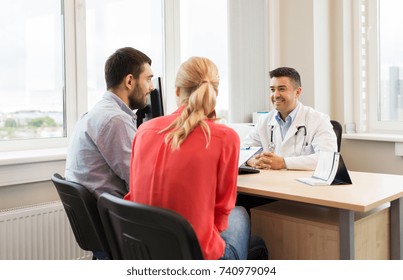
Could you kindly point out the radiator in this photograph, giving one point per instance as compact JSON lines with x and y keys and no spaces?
{"x":38,"y":232}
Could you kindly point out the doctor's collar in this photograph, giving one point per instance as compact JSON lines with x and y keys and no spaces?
{"x":290,"y":115}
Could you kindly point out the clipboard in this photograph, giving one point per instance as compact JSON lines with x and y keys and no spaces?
{"x":245,"y":154}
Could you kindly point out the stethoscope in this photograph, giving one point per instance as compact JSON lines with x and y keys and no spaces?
{"x":272,"y":146}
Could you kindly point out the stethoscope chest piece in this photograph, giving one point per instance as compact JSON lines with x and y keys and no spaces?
{"x":272,"y":145}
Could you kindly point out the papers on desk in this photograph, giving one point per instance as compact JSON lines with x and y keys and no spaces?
{"x":325,"y":172}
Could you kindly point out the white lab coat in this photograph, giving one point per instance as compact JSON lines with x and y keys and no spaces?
{"x":300,"y":151}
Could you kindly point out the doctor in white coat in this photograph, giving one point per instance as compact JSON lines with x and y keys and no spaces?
{"x":291,"y":135}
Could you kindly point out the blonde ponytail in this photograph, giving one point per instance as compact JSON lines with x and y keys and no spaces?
{"x":198,"y":80}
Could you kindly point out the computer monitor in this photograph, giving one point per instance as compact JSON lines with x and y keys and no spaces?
{"x":154,"y":107}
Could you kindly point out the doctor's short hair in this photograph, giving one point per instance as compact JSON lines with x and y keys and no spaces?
{"x":287,"y":72}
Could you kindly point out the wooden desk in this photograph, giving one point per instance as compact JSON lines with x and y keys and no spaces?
{"x":368,"y":191}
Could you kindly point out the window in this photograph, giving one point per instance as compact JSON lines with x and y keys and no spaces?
{"x":50,"y":47}
{"x":51,"y":67}
{"x":382,"y":66}
{"x":202,"y":31}
{"x":390,"y":61}
{"x":113,"y":24}
{"x":31,"y":70}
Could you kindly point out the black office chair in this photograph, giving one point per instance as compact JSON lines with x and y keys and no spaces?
{"x":338,"y":129}
{"x":142,"y":232}
{"x":82,"y":211}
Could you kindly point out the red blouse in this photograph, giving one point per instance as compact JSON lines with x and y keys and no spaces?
{"x":199,"y":183}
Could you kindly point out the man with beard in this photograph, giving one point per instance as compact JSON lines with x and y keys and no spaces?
{"x":99,"y":152}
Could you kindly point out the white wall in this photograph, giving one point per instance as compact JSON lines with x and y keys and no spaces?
{"x":371,"y":156}
{"x":27,"y":194}
{"x":248,"y":58}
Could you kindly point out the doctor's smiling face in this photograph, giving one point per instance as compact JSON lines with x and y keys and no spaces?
{"x":284,"y":93}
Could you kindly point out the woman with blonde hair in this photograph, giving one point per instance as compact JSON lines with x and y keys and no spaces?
{"x":188,"y":163}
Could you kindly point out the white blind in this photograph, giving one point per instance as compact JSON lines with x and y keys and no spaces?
{"x":363,"y":46}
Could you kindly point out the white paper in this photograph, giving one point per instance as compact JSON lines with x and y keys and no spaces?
{"x":325,"y":171}
{"x":313,"y":181}
{"x":324,"y":166}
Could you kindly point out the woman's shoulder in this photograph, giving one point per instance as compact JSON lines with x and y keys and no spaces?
{"x":221,"y":130}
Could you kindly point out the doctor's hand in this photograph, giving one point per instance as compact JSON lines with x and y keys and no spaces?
{"x":267,"y":160}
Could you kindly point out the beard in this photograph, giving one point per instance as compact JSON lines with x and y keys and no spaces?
{"x":137,"y":100}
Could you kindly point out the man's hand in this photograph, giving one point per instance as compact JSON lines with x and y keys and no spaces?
{"x":267,"y":160}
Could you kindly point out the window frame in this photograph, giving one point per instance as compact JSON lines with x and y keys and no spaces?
{"x":371,"y":123}
{"x":31,"y":160}
{"x":71,"y":85}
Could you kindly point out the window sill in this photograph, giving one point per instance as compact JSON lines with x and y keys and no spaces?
{"x":31,"y":165}
{"x":397,"y":139}
{"x":374,"y":137}
{"x":32,"y":156}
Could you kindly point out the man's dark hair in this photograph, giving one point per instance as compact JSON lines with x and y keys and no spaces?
{"x":123,"y":62}
{"x":287,"y":72}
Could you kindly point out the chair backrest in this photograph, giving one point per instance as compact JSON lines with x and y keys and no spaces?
{"x":82,"y":211}
{"x":338,"y":129}
{"x":142,"y":232}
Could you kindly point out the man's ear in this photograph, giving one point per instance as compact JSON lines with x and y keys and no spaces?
{"x":299,"y":91}
{"x":129,"y":81}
